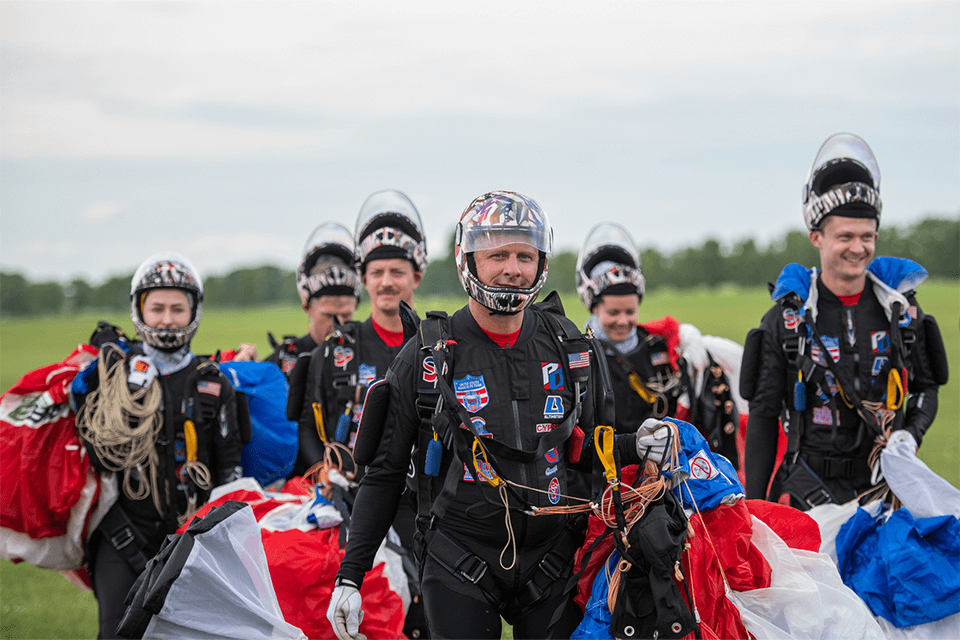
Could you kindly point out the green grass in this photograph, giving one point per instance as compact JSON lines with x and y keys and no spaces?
{"x":35,"y":603}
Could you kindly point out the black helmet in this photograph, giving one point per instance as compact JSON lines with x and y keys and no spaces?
{"x":328,"y":264}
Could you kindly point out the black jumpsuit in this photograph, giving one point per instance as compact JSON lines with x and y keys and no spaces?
{"x":857,"y":338}
{"x":516,"y":395}
{"x":218,"y":447}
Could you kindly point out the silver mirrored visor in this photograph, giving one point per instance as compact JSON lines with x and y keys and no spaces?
{"x":484,"y":238}
{"x":819,"y":206}
{"x":847,"y":145}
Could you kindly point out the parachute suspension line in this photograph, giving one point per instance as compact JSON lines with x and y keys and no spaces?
{"x":880,"y":490}
{"x":508,"y":522}
{"x":123,"y":427}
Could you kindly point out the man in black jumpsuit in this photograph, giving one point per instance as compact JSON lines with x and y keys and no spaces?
{"x":197,"y":448}
{"x":846,"y":355}
{"x":329,"y":288}
{"x":475,"y":564}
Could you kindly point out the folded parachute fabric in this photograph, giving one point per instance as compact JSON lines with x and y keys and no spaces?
{"x":708,"y":478}
{"x":907,"y":570}
{"x":211,"y":581}
{"x":806,"y":599}
{"x":917,"y":486}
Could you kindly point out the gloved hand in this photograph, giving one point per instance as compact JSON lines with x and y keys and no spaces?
{"x":106,"y":332}
{"x":902,"y":435}
{"x":345,"y":612}
{"x":653,"y":437}
{"x":141,"y":371}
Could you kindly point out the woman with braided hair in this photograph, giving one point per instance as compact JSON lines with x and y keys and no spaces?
{"x":159,"y":419}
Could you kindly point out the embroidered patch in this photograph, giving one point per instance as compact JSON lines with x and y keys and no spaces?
{"x":550,"y":471}
{"x":880,"y":341}
{"x":486,"y":471}
{"x":546,"y":427}
{"x":579,"y":360}
{"x":430,"y":370}
{"x":552,"y":375}
{"x":481,"y":426}
{"x":551,"y":456}
{"x":554,"y":491}
{"x":553,"y":408}
{"x":471,"y":392}
{"x":832,"y":345}
{"x":822,"y":415}
{"x":791,"y":319}
{"x":211,"y":388}
{"x":341,"y":356}
{"x":878,"y":364}
{"x":659,"y":359}
{"x":366,"y":374}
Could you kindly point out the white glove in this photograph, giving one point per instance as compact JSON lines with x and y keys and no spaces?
{"x":652,"y":439}
{"x":345,"y":611}
{"x":902,"y":435}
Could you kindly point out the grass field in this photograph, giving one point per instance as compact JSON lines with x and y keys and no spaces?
{"x":35,"y":603}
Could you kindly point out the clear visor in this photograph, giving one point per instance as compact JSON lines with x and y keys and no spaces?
{"x":165,"y":256}
{"x":384,"y":202}
{"x":603,"y":235}
{"x":847,"y":145}
{"x":329,"y":233}
{"x":483,"y":238}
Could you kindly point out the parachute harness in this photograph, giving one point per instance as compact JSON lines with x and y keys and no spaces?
{"x":123,"y":427}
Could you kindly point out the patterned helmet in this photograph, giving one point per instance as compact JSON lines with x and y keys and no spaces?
{"x":493,"y":220}
{"x":608,"y":264}
{"x":166,"y":270}
{"x":389,"y":226}
{"x":327,"y":266}
{"x":844,"y":180}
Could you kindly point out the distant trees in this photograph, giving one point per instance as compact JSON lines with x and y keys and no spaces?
{"x":933,"y":242}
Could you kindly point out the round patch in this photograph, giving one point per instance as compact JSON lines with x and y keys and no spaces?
{"x":554,"y":493}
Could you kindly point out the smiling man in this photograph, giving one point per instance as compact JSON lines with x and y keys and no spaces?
{"x":487,"y":411}
{"x":846,"y":358}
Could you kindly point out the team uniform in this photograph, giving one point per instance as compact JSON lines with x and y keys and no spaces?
{"x":861,"y":344}
{"x":844,"y":375}
{"x":196,"y":448}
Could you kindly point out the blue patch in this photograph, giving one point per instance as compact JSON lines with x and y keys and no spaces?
{"x":366,"y":374}
{"x":553,"y":408}
{"x":471,"y":392}
{"x":551,"y":456}
{"x":878,"y":364}
{"x":554,"y":491}
{"x":481,"y":426}
{"x":833,"y":347}
{"x":880,"y":341}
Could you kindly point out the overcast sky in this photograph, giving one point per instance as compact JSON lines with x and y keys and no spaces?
{"x":229,"y":130}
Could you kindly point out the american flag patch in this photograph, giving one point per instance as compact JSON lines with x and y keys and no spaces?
{"x":213,"y":388}
{"x":659,"y":359}
{"x":579,"y":360}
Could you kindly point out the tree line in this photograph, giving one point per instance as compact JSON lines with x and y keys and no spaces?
{"x":933,"y":242}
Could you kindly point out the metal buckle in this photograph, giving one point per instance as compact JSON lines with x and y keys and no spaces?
{"x":476,"y":572}
{"x":122,"y":538}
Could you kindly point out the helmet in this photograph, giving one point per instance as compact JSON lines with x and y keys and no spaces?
{"x":166,"y":270}
{"x":327,"y":266}
{"x":608,"y":264}
{"x":844,"y":180}
{"x":495,"y":219}
{"x":388,"y":226}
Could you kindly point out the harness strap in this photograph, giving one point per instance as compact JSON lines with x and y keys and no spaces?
{"x":124,"y":536}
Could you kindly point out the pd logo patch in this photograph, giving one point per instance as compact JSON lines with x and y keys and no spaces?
{"x":878,"y":364}
{"x":880,"y":341}
{"x":471,"y":392}
{"x":341,"y":356}
{"x":553,"y":408}
{"x":552,"y":375}
{"x":367,"y":374}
